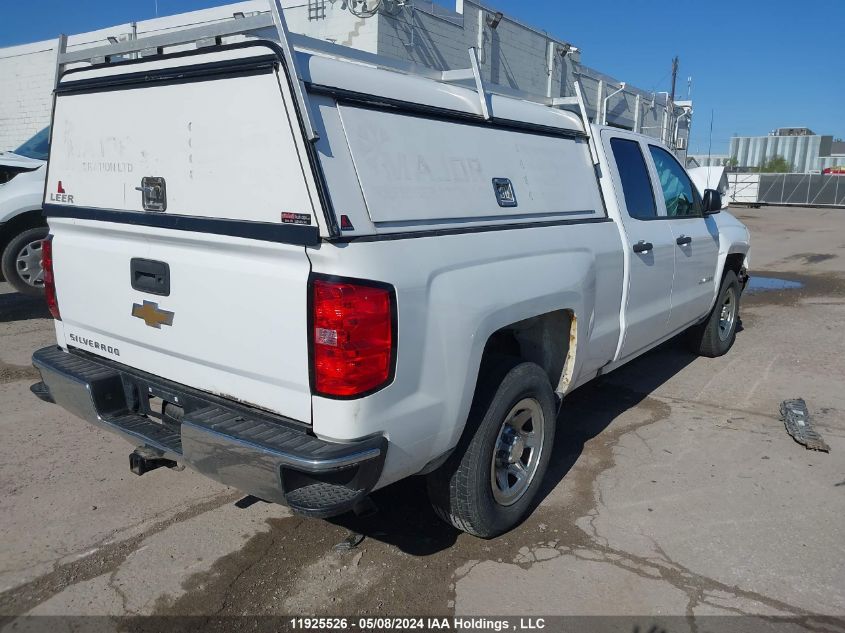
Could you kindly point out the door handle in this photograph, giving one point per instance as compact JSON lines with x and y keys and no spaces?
{"x":684,"y":240}
{"x":643,"y":247}
{"x":150,"y":276}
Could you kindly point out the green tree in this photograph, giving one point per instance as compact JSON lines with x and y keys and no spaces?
{"x":776,"y":165}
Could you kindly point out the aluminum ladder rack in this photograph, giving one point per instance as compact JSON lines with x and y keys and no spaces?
{"x":272,"y":25}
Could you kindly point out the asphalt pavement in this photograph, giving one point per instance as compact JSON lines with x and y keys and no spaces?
{"x":674,"y":490}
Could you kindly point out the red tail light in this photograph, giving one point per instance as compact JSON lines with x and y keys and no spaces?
{"x":49,"y":280}
{"x":353,"y":337}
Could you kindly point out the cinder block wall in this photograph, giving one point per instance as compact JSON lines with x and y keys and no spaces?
{"x":513,"y":55}
{"x":26,"y":80}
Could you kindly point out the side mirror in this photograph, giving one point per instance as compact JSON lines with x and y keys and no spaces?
{"x":712,"y":202}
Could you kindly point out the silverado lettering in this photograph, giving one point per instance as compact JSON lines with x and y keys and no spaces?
{"x":87,"y":342}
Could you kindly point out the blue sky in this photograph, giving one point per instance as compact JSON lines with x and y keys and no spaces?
{"x":756,"y":64}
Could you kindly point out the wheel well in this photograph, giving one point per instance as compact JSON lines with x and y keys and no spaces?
{"x":20,"y":223}
{"x":734,"y":262}
{"x":547,"y":340}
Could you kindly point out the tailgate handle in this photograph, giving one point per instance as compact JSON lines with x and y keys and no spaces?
{"x":150,"y":276}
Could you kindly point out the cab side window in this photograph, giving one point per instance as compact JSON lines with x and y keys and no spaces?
{"x":682,"y":200}
{"x":636,"y":184}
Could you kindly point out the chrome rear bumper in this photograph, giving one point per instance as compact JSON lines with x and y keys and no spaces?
{"x":267,"y":456}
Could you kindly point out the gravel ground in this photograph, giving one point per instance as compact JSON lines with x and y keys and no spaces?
{"x":674,"y":491}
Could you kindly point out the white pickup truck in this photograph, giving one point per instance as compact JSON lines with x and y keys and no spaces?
{"x":318,"y":276}
{"x":22,"y":224}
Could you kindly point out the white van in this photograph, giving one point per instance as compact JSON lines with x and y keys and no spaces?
{"x":322,"y":275}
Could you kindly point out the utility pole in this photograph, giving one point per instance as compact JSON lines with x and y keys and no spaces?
{"x":675,"y":63}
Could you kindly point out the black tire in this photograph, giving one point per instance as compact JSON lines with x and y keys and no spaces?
{"x":712,"y":338}
{"x":462,"y":490}
{"x":26,"y":281}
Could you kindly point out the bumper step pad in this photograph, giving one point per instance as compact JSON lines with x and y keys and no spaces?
{"x":163,"y":437}
{"x":312,"y":497}
{"x":300,"y":446}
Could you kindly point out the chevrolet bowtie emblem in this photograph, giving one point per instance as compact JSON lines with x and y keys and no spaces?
{"x":152,"y":315}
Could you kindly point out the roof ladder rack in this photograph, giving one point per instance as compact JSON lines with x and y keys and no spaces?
{"x":474,"y":73}
{"x":274,"y":20}
{"x":200,"y":36}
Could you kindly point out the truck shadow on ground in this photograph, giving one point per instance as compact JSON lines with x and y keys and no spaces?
{"x":405,"y":519}
{"x":18,"y":307}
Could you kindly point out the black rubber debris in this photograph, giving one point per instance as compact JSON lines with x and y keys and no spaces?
{"x":352,"y":540}
{"x":796,"y":419}
{"x":246,"y":502}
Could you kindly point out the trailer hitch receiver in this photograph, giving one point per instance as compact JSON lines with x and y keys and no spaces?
{"x":142,"y":462}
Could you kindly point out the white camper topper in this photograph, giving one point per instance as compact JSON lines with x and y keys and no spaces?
{"x":319,"y":271}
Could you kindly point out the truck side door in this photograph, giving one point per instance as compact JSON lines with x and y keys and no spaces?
{"x":649,"y":244}
{"x":696,"y":241}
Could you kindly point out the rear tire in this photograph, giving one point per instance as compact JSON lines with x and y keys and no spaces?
{"x":717,"y":334}
{"x":491,"y":480}
{"x":21,"y":261}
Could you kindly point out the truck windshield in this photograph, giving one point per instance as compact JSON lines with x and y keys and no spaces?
{"x":37,"y":147}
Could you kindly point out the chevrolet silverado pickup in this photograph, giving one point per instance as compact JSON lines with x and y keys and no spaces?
{"x":319,"y":276}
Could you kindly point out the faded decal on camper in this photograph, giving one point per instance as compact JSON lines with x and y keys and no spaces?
{"x":60,"y":195}
{"x":107,"y":167}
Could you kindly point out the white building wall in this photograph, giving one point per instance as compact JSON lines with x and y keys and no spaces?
{"x":705,"y":160}
{"x":804,"y":153}
{"x":831,"y":161}
{"x":26,"y":78}
{"x":27,"y":71}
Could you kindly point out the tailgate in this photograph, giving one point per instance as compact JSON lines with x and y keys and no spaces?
{"x":181,"y":198}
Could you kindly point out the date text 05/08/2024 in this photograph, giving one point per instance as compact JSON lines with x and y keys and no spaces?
{"x":417,"y":624}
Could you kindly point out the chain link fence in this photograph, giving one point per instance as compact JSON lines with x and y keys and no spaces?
{"x":811,"y":190}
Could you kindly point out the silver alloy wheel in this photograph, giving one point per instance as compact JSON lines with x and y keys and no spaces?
{"x":28,"y":264}
{"x":516,"y":455}
{"x":728,"y":314}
